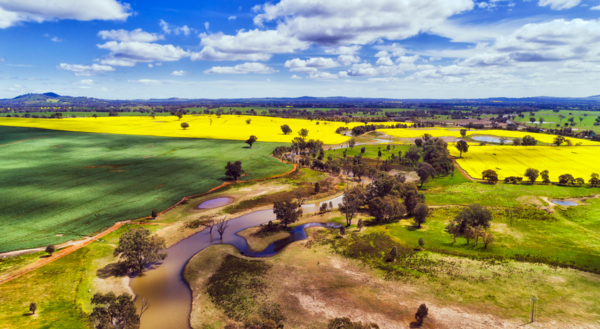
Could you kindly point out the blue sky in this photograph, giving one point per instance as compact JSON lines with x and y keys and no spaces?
{"x":289,"y":48}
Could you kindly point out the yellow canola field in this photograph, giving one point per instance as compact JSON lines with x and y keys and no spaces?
{"x":579,"y":161}
{"x":455,"y":132}
{"x":233,"y":127}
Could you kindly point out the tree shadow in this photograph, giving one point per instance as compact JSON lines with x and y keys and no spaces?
{"x":415,"y":324}
{"x":246,"y":147}
{"x":111,"y":270}
{"x":27,"y":314}
{"x":412,"y":228}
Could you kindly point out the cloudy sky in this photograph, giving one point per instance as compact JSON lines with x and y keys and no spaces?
{"x":289,"y":48}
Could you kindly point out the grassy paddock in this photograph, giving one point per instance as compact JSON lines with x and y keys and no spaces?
{"x":74,"y":184}
{"x":63,"y":289}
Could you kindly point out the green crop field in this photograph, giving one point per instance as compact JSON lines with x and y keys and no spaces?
{"x":371,"y":151}
{"x":58,"y":186}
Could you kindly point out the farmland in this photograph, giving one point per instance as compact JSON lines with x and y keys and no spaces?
{"x":455,"y":132}
{"x":579,"y":161}
{"x":231,"y":127}
{"x":59,"y":186}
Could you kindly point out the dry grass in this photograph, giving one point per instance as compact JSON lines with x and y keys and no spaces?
{"x":258,"y":238}
{"x":313,"y":285}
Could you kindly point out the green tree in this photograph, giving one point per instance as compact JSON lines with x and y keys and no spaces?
{"x":352,"y":199}
{"x":234,"y":170}
{"x":286,"y":129}
{"x":32,"y":308}
{"x":532,"y":174}
{"x":421,"y":314}
{"x":490,"y":175}
{"x":558,"y":140}
{"x":287,"y":211}
{"x":545,"y":177}
{"x":462,"y":146}
{"x":421,"y":212}
{"x":112,"y":312}
{"x":185,"y":125}
{"x":360,"y":224}
{"x":529,"y":141}
{"x":463,"y":133}
{"x":385,"y":209}
{"x":362,"y":150}
{"x":579,"y":181}
{"x":219,"y":113}
{"x":566,"y":179}
{"x":425,"y":170}
{"x":317,"y":187}
{"x":139,"y":248}
{"x":154,"y":214}
{"x":251,"y":140}
{"x":473,"y":216}
{"x":248,"y":121}
{"x":517,"y":142}
{"x":50,"y":249}
{"x":351,"y":143}
{"x":541,"y":120}
{"x":95,"y":116}
{"x":421,"y":242}
{"x":179,"y":115}
{"x":303,"y":133}
{"x":594,"y":180}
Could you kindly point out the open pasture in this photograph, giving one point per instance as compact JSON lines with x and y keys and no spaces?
{"x":59,"y":186}
{"x":551,"y":119}
{"x":579,"y":161}
{"x":455,"y":132}
{"x":231,"y":127}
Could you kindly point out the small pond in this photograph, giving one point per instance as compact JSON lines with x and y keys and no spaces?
{"x":490,"y":139}
{"x":564,"y":203}
{"x":214,"y":203}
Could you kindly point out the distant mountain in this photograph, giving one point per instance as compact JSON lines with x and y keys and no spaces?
{"x":52,"y":99}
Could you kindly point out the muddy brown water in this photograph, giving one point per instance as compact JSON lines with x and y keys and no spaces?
{"x":214,"y":203}
{"x":170,"y":296}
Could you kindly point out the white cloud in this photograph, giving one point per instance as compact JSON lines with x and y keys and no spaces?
{"x":150,"y":65}
{"x":323,"y":76}
{"x":2,"y":59}
{"x":232,"y":18}
{"x":295,"y":77}
{"x":56,"y":39}
{"x":13,"y":12}
{"x":311,"y":65}
{"x":144,"y":52}
{"x":344,"y":50}
{"x":168,"y":29}
{"x":595,"y":8}
{"x":241,"y":69}
{"x":86,"y":82}
{"x":559,"y":4}
{"x":117,"y":62}
{"x":158,"y":64}
{"x":85,"y":70}
{"x":206,"y":25}
{"x":389,"y":79}
{"x":128,"y":36}
{"x":180,"y":73}
{"x":384,"y":61}
{"x":359,"y":22}
{"x":149,"y":82}
{"x":554,"y":41}
{"x":253,"y":45}
{"x":346,"y":60}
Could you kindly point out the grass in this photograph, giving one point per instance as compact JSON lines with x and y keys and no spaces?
{"x":75,"y":184}
{"x":502,"y":195}
{"x":551,"y":119}
{"x":534,"y":233}
{"x":371,"y":151}
{"x":580,"y":161}
{"x":231,"y":127}
{"x":61,"y":289}
{"x":13,"y":263}
{"x":458,"y":290}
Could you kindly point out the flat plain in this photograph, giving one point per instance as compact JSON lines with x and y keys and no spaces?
{"x":60,"y":186}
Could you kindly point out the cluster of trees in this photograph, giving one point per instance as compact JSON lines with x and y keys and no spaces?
{"x":472,"y":223}
{"x":381,"y":198}
{"x":526,"y":141}
{"x":533,"y":174}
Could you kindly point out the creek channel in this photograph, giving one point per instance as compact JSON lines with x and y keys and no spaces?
{"x":167,"y":291}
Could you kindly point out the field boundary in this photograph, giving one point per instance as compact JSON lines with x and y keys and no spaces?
{"x":68,"y":250}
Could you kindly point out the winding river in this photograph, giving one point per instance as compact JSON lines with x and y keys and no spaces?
{"x":164,"y":285}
